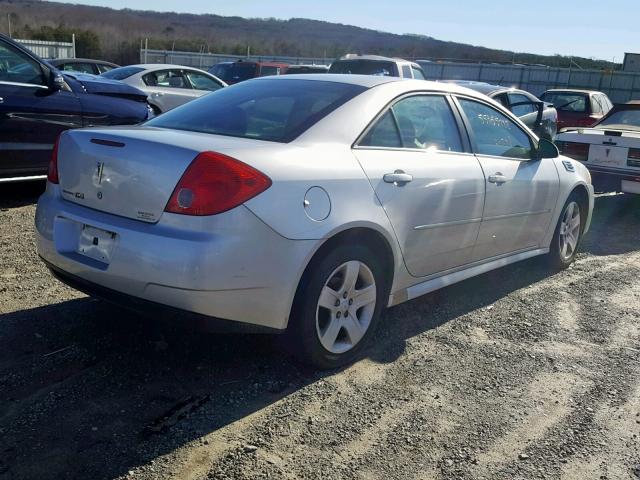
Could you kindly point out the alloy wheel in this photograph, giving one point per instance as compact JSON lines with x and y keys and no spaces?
{"x":569,"y":231}
{"x":345,"y":307}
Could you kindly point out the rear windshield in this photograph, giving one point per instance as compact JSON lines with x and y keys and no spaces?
{"x":234,"y":72}
{"x":277,"y":110}
{"x":364,"y":67}
{"x":567,"y":101}
{"x":622,"y":119}
{"x":122,"y":72}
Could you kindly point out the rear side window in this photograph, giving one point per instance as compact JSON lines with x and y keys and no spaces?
{"x":406,"y":71}
{"x":77,"y":67}
{"x":267,"y":70}
{"x":420,"y":121}
{"x":122,"y":72}
{"x":277,"y":110}
{"x":520,"y":105}
{"x":596,"y":106}
{"x":495,"y":134}
{"x":166,"y":79}
{"x":417,"y":73}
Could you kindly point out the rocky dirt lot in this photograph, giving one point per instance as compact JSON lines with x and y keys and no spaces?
{"x":522,"y":373}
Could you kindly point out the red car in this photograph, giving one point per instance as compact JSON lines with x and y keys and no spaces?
{"x":578,"y":108}
{"x":234,"y":72}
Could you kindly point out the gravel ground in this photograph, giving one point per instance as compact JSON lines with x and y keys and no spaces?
{"x":521,"y":373}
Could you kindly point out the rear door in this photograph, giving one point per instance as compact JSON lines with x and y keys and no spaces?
{"x":521,"y":192}
{"x":169,"y":89}
{"x":430,"y":185}
{"x":31,"y":114}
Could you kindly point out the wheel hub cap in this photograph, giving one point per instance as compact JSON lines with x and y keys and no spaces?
{"x":569,"y":231}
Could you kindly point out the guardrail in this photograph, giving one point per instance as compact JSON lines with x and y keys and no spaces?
{"x":46,"y":49}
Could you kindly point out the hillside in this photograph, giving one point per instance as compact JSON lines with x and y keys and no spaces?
{"x":116,"y":35}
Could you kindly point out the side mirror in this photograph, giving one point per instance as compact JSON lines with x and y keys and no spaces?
{"x":57,"y":82}
{"x":546,"y":149}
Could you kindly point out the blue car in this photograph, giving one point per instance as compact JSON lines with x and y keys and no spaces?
{"x":38,"y":102}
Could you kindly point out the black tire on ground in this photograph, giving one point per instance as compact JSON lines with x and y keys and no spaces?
{"x":556,"y":259}
{"x":301,"y":337}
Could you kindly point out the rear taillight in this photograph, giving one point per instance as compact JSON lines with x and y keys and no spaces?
{"x":215,"y":183}
{"x":52,"y":173}
{"x":633,"y":159}
{"x":577,"y":151}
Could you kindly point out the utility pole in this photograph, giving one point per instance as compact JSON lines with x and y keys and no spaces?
{"x":9,"y":21}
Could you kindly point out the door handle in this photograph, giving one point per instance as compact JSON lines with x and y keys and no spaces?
{"x":498,"y":178}
{"x":398,"y":178}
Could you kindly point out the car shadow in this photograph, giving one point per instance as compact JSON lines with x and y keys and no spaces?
{"x":13,"y":195}
{"x":91,"y":390}
{"x":615,"y":228}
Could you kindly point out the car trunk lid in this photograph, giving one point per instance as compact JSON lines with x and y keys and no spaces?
{"x":132,"y":171}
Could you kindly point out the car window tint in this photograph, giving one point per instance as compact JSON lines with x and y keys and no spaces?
{"x":267,"y":109}
{"x":520,"y":110}
{"x":406,"y":71}
{"x":121,"y":73}
{"x":104,"y":68}
{"x":78,"y":67}
{"x":417,"y":73}
{"x":166,"y":79}
{"x":502,"y":100}
{"x":380,"y":68}
{"x":426,"y":121}
{"x":596,"y":106}
{"x":495,"y":134}
{"x":17,"y":67}
{"x":383,"y":133}
{"x":200,"y":81}
{"x":567,"y":101}
{"x":266,"y":71}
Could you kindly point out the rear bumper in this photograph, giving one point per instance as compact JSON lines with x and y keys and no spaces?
{"x":229,"y":266}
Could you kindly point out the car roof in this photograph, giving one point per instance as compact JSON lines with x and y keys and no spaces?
{"x":162,"y":66}
{"x":572,"y":90}
{"x":57,"y":61}
{"x":351,"y":57}
{"x":483,"y":87}
{"x":370,"y":81}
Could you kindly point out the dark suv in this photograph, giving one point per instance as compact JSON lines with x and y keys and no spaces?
{"x":37,"y":102}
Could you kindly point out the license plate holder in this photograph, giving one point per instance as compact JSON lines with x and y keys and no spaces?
{"x":96,"y":243}
{"x":608,"y":156}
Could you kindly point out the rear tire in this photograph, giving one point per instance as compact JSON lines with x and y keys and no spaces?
{"x":337,"y":307}
{"x":568,"y":234}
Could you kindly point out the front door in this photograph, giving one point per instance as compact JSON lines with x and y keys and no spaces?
{"x":431,"y":189}
{"x":521,"y":191}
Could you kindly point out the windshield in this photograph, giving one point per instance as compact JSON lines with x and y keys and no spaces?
{"x":567,"y":101}
{"x":273,"y":110}
{"x":122,"y":72}
{"x":364,"y":67}
{"x":622,"y":118}
{"x":234,"y":72}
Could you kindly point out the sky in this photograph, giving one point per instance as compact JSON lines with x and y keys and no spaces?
{"x":586,"y":28}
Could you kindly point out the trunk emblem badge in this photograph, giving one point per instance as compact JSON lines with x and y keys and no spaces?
{"x":99,"y":171}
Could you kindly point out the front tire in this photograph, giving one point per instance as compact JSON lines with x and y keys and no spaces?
{"x":568,"y":234}
{"x":337,"y":307}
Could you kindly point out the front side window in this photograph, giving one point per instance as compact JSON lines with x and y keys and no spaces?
{"x":200,"y":81}
{"x":17,"y":67}
{"x":495,"y":134}
{"x":421,"y":121}
{"x":520,"y":105}
{"x":276,"y":110}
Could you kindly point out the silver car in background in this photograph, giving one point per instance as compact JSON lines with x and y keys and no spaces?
{"x":307,"y":204}
{"x":168,"y":86}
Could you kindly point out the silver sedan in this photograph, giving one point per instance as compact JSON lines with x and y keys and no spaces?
{"x":306,"y":204}
{"x":168,"y":86}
